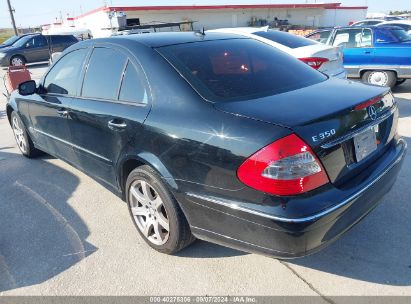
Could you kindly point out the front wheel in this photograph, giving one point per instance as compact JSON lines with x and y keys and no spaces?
{"x":17,"y":61}
{"x":22,"y":138}
{"x":155,"y":213}
{"x":380,"y":78}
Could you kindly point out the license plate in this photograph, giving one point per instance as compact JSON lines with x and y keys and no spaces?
{"x":365,"y":143}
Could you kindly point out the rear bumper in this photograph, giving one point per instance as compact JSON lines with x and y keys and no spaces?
{"x":223,"y":222}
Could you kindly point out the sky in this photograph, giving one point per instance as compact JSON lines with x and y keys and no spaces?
{"x":31,"y":13}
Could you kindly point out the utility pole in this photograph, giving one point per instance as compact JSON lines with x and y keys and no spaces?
{"x":12,"y":18}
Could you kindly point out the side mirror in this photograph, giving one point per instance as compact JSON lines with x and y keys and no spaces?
{"x":27,"y":88}
{"x":27,"y":45}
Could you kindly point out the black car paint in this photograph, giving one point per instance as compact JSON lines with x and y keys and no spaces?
{"x":36,"y":54}
{"x":197,"y":147}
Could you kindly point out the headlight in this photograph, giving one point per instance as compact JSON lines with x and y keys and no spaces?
{"x":2,"y":55}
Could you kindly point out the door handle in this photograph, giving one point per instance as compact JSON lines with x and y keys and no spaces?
{"x":367,"y":52}
{"x":63,"y":113}
{"x":116,"y":125}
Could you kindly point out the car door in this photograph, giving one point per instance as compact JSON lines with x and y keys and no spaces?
{"x":37,"y":49}
{"x":49,"y":110}
{"x":108,"y":116}
{"x":357,"y":47}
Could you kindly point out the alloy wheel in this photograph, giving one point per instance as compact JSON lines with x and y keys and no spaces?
{"x":149,"y":212}
{"x":19,"y":135}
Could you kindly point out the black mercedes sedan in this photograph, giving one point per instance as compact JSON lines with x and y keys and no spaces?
{"x":217,"y":137}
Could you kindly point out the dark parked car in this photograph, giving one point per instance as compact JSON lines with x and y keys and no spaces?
{"x":12,"y":40}
{"x":216,"y":136}
{"x":34,"y":48}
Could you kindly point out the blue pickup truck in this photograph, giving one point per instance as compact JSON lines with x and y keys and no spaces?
{"x":378,"y":55}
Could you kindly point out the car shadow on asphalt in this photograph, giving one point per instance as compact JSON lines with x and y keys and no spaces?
{"x":41,"y":235}
{"x":377,"y":249}
{"x":203,"y":249}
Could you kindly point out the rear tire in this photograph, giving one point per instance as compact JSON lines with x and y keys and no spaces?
{"x":155,"y":213}
{"x":17,"y":60}
{"x":22,"y":138}
{"x":381,"y":78}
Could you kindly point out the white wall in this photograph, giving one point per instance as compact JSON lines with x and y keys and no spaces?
{"x":212,"y":19}
{"x":342,"y":17}
{"x":99,"y":23}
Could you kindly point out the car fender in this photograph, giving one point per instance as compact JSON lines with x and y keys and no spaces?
{"x":145,"y":158}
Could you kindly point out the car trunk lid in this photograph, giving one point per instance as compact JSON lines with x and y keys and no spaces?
{"x":328,"y":116}
{"x":333,"y":66}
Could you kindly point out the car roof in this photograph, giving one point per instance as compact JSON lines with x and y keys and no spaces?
{"x":408,"y":22}
{"x":248,"y":30}
{"x":377,"y":26}
{"x":160,"y":39}
{"x":365,"y":20}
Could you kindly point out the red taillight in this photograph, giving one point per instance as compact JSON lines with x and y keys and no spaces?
{"x":314,"y":62}
{"x":286,"y":167}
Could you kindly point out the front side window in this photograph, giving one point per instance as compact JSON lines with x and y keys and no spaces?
{"x":37,"y":41}
{"x":239,"y":69}
{"x":348,"y":38}
{"x":366,"y":39}
{"x":104,"y":73}
{"x":133,"y":86}
{"x":63,"y":78}
{"x":320,"y":36}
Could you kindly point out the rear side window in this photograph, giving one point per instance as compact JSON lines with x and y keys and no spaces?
{"x":132,"y":86}
{"x":289,"y":40}
{"x":57,"y":39}
{"x":320,"y":36}
{"x":392,"y":35}
{"x":239,"y":69}
{"x":103,"y":75}
{"x":63,"y":78}
{"x":348,"y":38}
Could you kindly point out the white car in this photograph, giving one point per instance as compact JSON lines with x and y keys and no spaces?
{"x":324,"y":58}
{"x":368,"y":22}
{"x":404,"y":24}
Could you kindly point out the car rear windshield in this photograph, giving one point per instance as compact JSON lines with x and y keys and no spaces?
{"x":239,"y":69}
{"x":289,"y":40}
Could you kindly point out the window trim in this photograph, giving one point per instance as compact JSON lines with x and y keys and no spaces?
{"x":145,"y":84}
{"x":128,"y":59}
{"x":80,"y":78}
{"x":372,"y":38}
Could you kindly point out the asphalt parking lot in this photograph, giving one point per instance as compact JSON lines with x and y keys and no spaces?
{"x":61,"y":233}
